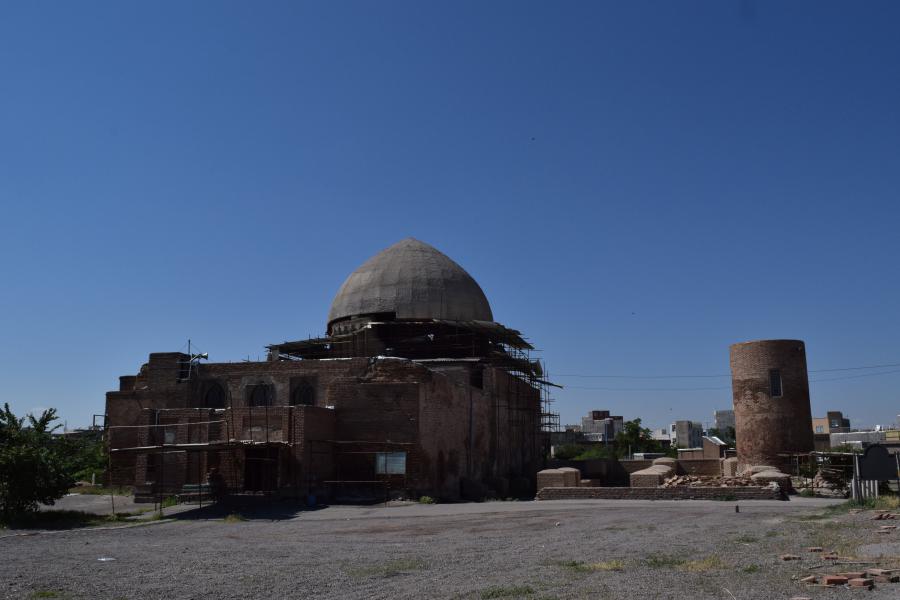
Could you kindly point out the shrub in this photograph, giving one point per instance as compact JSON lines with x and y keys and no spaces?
{"x":234,"y":518}
{"x":567,"y":451}
{"x":426,"y":500}
{"x":32,"y":467}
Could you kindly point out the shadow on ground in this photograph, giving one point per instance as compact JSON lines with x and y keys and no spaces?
{"x":247,"y":509}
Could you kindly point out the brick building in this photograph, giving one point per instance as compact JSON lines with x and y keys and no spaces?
{"x":414,"y":390}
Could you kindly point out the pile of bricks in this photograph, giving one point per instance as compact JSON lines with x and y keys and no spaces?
{"x":705,"y":481}
{"x":855,"y":579}
{"x":658,"y":493}
{"x":884,"y":515}
{"x":864,"y":579}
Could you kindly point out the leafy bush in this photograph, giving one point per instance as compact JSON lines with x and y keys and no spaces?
{"x":426,"y":500}
{"x":567,"y":451}
{"x":85,"y":457}
{"x":33,"y":468}
{"x":593,"y":453}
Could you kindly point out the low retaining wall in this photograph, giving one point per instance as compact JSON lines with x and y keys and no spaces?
{"x":674,"y":493}
{"x":700,"y":466}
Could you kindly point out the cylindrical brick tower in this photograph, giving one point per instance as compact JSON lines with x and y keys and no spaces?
{"x":770,"y":389}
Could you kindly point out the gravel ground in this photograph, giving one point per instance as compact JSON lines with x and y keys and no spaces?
{"x":662,"y":549}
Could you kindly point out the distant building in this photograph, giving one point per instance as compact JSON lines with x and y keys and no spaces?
{"x":599,"y":426}
{"x":862,"y":439}
{"x":832,"y":422}
{"x":724,"y":420}
{"x":662,"y":435}
{"x":710,"y":447}
{"x":571,"y":434}
{"x":687,"y":434}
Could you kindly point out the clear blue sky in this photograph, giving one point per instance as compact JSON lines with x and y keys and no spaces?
{"x":636,"y":185}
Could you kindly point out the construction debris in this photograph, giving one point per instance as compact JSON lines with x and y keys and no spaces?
{"x":855,"y":579}
{"x":708,"y":481}
{"x":861,"y":582}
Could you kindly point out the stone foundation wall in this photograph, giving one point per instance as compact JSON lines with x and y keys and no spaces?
{"x":677,"y":493}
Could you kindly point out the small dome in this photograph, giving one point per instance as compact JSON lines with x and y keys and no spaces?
{"x":414,"y":281}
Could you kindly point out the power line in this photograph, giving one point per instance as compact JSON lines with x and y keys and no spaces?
{"x":592,"y":376}
{"x":857,"y":368}
{"x":728,"y":387}
{"x":640,"y":376}
{"x":614,"y":389}
{"x":854,"y":376}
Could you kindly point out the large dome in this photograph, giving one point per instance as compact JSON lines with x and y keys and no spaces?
{"x":414,"y":281}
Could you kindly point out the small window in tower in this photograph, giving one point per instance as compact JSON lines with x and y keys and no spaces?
{"x":775,"y":383}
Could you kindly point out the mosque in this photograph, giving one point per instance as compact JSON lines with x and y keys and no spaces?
{"x":414,"y":390}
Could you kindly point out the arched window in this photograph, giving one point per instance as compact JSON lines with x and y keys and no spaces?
{"x":304,"y":394}
{"x":214,"y":397}
{"x":259,"y":395}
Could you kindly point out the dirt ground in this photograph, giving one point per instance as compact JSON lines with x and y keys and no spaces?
{"x":539,"y":550}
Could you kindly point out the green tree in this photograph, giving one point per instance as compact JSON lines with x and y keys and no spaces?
{"x":634,"y":438}
{"x":33,"y":468}
{"x":85,"y":456}
{"x":726,"y":435}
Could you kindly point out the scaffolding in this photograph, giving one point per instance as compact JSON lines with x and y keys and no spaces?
{"x":228,"y":441}
{"x":527,"y":403}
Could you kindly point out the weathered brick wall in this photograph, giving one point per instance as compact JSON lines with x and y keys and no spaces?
{"x":449,"y":446}
{"x":550,"y":478}
{"x":313,"y":450}
{"x":700,"y":466}
{"x":631,"y":466}
{"x":676,"y":493}
{"x":767,"y":426}
{"x":235,"y":377}
{"x":462,"y":425}
{"x":156,"y":386}
{"x":652,"y":476}
{"x":604,"y":471}
{"x":517,"y":448}
{"x":174,"y":467}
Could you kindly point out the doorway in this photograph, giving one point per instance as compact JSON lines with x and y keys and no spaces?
{"x":260,"y":469}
